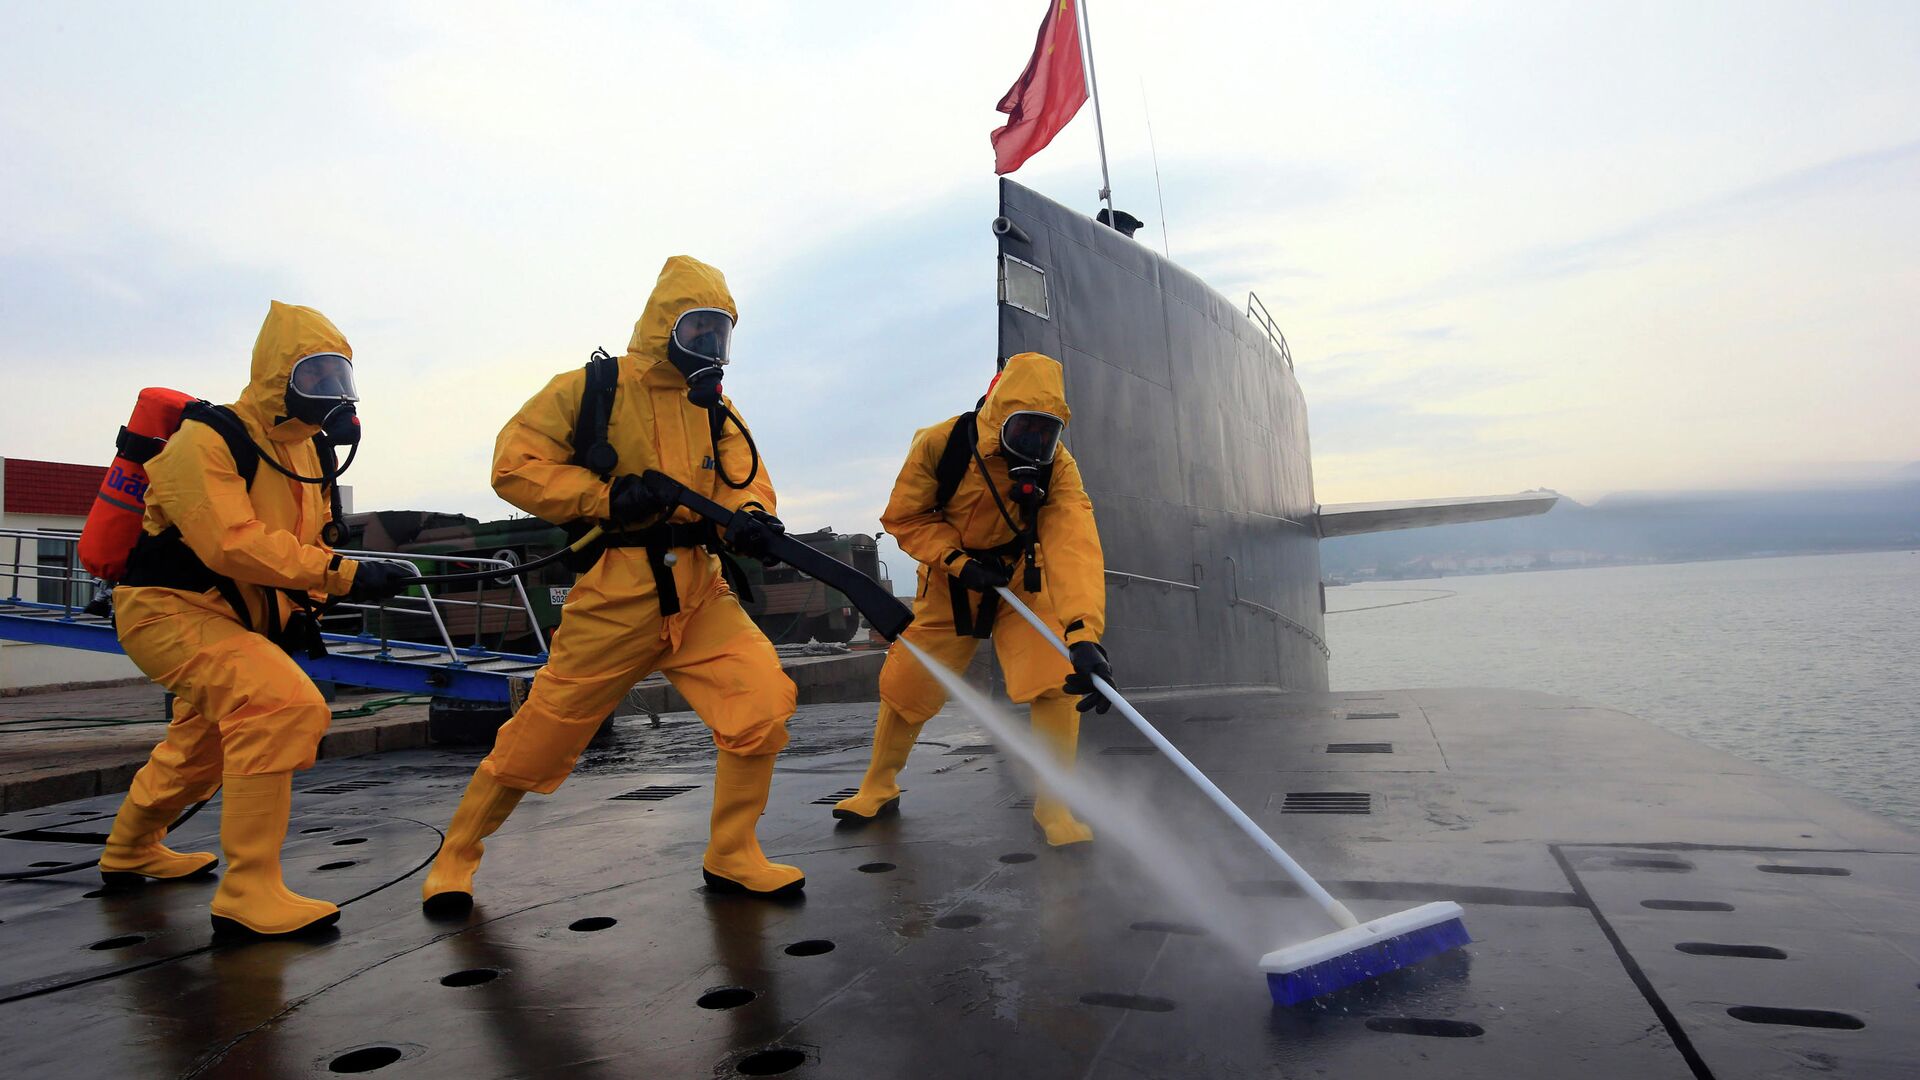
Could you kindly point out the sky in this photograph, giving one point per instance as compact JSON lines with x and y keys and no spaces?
{"x":1597,"y":248}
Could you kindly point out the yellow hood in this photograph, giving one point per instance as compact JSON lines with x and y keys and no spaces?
{"x":1032,"y":382}
{"x":685,"y":283}
{"x":289,"y":334}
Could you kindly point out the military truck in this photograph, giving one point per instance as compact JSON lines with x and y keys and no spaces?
{"x":787,"y":606}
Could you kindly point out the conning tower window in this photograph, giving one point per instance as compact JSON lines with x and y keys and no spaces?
{"x":1023,"y":285}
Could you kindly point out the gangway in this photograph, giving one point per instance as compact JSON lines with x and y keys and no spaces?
{"x":63,"y":612}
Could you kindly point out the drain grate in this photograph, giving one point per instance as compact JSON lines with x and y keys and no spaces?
{"x":347,"y":787}
{"x":1421,"y":1025}
{"x":1745,"y":952}
{"x":653,"y":793}
{"x":1327,"y":802}
{"x":1024,"y":802}
{"x":1373,"y":716}
{"x":1686,"y":905}
{"x":1360,"y":748}
{"x":843,"y":793}
{"x":1815,"y":871}
{"x":1127,"y":751}
{"x":975,"y":748}
{"x":1812,"y":1018}
{"x":1137,"y":1002}
{"x":1671,"y":866}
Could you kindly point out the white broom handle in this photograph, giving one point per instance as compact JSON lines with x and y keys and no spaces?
{"x":1334,"y":908}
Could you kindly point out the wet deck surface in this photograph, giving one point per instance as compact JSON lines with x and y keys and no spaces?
{"x":1641,"y":906}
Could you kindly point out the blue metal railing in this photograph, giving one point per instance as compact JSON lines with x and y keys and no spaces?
{"x":366,"y":658}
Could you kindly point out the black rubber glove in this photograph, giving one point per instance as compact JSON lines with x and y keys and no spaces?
{"x":628,"y":500}
{"x":1089,"y":659}
{"x":982,"y":576}
{"x":378,"y":579}
{"x":751,"y":531}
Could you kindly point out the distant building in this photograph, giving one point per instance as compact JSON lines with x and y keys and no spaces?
{"x":48,"y":496}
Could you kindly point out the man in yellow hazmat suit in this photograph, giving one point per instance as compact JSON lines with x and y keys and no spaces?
{"x":215,"y":595}
{"x":988,"y":499}
{"x":655,"y":598}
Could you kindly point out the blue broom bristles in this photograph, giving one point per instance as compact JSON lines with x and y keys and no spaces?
{"x":1368,"y":962}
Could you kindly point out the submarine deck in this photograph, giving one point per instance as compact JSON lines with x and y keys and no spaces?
{"x":1642,"y":905}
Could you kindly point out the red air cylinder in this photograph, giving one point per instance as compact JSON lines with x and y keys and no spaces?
{"x":113,"y":525}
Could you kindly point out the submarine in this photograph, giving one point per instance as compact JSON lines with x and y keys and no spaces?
{"x":1641,"y":905}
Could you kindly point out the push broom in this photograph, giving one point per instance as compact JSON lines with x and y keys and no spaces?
{"x":1354,"y":953}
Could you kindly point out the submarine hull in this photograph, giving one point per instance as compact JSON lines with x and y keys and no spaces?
{"x":1191,"y":434}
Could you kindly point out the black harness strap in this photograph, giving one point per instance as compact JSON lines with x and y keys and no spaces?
{"x":659,"y":539}
{"x":165,"y":561}
{"x":976,"y":620}
{"x":591,"y":446}
{"x":955,"y":457}
{"x":136,"y":447}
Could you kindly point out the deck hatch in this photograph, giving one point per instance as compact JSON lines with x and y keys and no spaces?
{"x":1360,"y":748}
{"x":1327,"y":802}
{"x":653,"y":793}
{"x":973,"y":748}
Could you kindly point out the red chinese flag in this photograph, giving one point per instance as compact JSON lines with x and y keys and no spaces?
{"x":1047,"y":94}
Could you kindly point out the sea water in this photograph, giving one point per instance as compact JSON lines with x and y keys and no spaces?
{"x":1804,"y":664}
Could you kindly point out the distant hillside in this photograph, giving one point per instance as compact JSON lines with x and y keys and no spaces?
{"x":1640,"y":528}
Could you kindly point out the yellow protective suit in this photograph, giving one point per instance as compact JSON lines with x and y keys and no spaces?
{"x":243,"y":708}
{"x":268,"y":713}
{"x":1072,"y":597}
{"x":611,"y":632}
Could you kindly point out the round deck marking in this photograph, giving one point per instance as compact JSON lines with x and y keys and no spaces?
{"x":725,"y":997}
{"x":771,"y":1062}
{"x":365,"y":1059}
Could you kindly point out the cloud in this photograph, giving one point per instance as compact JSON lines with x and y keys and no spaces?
{"x":1546,"y":244}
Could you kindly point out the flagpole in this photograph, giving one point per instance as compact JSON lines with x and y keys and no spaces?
{"x":1099,"y":129}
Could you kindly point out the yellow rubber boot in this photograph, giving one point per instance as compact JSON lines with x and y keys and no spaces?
{"x":252,"y":898}
{"x":1058,"y":724}
{"x":734,"y":861}
{"x":134,"y":852}
{"x":879,"y":793}
{"x":449,"y":886}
